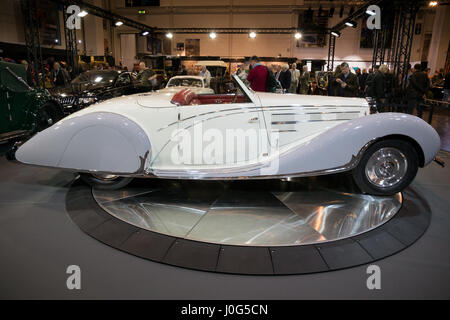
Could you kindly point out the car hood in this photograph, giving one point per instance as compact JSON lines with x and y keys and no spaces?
{"x":274,"y":99}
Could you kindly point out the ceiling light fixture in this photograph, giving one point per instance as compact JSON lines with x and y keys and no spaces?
{"x":119,"y":23}
{"x":351,"y":24}
{"x":252,"y":35}
{"x":337,"y":34}
{"x":297,"y":35}
{"x":432,"y":3}
{"x":212,"y":35}
{"x":82,"y":14}
{"x":169,"y":35}
{"x":145,"y":33}
{"x":370,"y":12}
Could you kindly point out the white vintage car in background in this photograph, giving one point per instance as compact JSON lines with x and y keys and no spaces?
{"x":195,"y":83}
{"x":143,"y":135}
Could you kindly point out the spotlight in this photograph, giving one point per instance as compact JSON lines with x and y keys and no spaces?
{"x":336,"y":34}
{"x":432,"y":3}
{"x":371,"y":13}
{"x":169,"y":35}
{"x":351,"y":24}
{"x":82,"y":14}
{"x":297,"y":35}
{"x":212,"y":35}
{"x":252,"y":35}
{"x":144,"y":33}
{"x":79,"y":41}
{"x":56,"y":40}
{"x":119,"y":23}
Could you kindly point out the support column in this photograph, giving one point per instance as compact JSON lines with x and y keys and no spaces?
{"x":440,"y":39}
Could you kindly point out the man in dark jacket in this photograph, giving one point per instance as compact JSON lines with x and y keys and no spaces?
{"x":285,"y":78}
{"x":377,"y":89}
{"x":418,"y":86}
{"x":347,"y":82}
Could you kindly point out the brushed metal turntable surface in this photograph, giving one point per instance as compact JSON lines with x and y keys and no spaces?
{"x":257,"y":213}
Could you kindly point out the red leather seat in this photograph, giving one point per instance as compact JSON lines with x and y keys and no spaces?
{"x":184,"y":97}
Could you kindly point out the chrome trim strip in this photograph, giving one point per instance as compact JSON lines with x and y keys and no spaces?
{"x":303,"y":121}
{"x":262,"y":109}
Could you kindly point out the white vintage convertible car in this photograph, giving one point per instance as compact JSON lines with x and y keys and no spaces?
{"x":194,"y":83}
{"x":246,"y":135}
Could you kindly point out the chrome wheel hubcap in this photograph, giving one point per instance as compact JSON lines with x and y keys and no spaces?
{"x":386,"y":167}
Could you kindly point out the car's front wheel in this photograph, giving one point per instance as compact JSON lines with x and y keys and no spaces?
{"x":105,"y":181}
{"x":386,"y":167}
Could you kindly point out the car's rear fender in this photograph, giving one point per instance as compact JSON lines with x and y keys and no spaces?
{"x":99,"y":141}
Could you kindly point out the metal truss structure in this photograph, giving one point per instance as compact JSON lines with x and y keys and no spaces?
{"x":32,"y":39}
{"x":106,"y":14}
{"x":331,"y":50}
{"x":238,"y":30}
{"x":380,"y":36}
{"x":71,"y":45}
{"x":402,"y":42}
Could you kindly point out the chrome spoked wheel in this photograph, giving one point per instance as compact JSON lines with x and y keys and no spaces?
{"x":105,"y":181}
{"x":386,"y":167}
{"x":105,"y":177}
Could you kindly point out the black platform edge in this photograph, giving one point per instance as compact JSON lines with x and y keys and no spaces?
{"x":406,"y":227}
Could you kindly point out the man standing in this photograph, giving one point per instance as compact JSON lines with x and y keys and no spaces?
{"x":362,"y":82}
{"x":60,"y":77}
{"x":418,"y":86}
{"x":378,"y":86}
{"x":206,"y":74}
{"x":347,"y":82}
{"x":304,"y":80}
{"x":295,"y":77}
{"x":146,"y":76}
{"x":285,"y":78}
{"x":257,"y":75}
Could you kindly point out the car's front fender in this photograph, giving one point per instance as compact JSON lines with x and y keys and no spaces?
{"x":99,"y":141}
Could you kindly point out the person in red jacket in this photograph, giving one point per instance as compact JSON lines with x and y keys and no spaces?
{"x":257,"y":75}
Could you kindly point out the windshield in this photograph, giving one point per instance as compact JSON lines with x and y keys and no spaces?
{"x":95,"y":78}
{"x":185,"y":82}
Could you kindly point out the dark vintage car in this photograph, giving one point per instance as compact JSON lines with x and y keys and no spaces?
{"x":94,"y":86}
{"x":23,"y":110}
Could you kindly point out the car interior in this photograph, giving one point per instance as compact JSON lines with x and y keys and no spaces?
{"x":187,"y":97}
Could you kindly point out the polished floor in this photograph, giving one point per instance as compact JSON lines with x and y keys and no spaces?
{"x":253,"y":213}
{"x":38,"y":241}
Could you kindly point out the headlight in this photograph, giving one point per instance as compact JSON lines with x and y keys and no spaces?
{"x":86,"y":100}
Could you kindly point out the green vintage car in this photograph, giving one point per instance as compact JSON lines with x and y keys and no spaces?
{"x":23,"y":110}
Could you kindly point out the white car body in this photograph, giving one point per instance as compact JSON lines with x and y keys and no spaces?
{"x":136,"y":136}
{"x":203,"y":89}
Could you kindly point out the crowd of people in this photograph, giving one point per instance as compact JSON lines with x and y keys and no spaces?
{"x":376,"y":83}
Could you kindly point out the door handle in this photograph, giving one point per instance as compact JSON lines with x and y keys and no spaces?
{"x":253,"y":120}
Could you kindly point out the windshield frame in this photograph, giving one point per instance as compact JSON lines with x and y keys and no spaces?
{"x":247,"y":90}
{"x":185,"y":78}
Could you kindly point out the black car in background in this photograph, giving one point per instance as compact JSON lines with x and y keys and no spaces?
{"x":94,"y":86}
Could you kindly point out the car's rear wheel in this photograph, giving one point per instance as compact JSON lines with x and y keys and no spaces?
{"x":105,"y":181}
{"x":386,"y":167}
